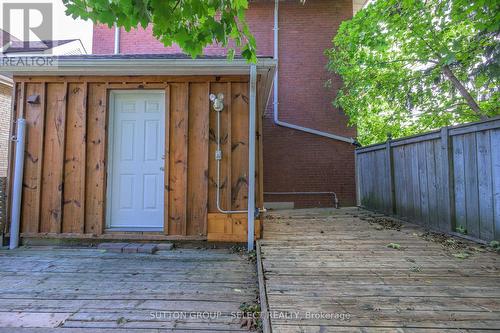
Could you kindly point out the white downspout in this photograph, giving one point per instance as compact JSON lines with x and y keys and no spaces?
{"x":275,"y":94}
{"x":117,"y":39}
{"x":251,"y":157}
{"x":17,"y":186}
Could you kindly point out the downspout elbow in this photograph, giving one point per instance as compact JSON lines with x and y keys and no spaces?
{"x":276,"y":92}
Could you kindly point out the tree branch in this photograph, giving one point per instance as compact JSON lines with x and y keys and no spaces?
{"x":176,"y":4}
{"x":463,"y":91}
{"x":422,"y":61}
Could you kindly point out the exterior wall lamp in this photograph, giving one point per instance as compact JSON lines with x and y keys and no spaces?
{"x":217,"y":101}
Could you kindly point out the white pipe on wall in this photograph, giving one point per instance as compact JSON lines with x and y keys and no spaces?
{"x":17,"y":186}
{"x":276,"y":96}
{"x":117,"y":39}
{"x":251,"y":156}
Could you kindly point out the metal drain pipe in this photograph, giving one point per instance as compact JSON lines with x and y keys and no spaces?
{"x":276,"y":95}
{"x":117,"y":39}
{"x":17,"y":184}
{"x":333,"y":194}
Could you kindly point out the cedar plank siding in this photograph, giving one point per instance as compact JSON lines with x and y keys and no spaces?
{"x":64,"y":186}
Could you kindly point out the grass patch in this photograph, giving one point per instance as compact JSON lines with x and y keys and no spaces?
{"x":394,"y":246}
{"x":461,"y":255}
{"x":251,"y":316}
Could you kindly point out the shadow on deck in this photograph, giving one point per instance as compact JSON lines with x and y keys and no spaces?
{"x":332,"y":271}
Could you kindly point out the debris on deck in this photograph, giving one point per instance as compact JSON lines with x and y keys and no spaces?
{"x":332,"y":271}
{"x":51,"y":289}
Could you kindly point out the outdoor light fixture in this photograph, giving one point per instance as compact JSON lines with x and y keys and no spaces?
{"x":218,"y":101}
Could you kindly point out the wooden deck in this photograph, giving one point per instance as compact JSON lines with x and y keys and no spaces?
{"x":88,"y":290}
{"x":336,"y":263}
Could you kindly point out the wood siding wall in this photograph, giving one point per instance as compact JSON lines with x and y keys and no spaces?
{"x":64,"y":187}
{"x":447,"y":180}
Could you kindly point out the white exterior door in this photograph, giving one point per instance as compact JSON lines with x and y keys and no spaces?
{"x":136,"y":159}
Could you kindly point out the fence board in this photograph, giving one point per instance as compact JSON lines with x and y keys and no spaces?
{"x":408,"y":193}
{"x":444,"y":150}
{"x":398,"y":178}
{"x":443,"y":180}
{"x":432,"y":183}
{"x":415,"y":183}
{"x":485,"y":184}
{"x":459,"y":173}
{"x":471,"y":185}
{"x":382,"y":181}
{"x":495,"y":172}
{"x":423,"y":186}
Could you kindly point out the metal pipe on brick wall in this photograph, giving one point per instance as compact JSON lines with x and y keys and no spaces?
{"x":275,"y":94}
{"x":17,"y":186}
{"x":117,"y":39}
{"x":333,"y":194}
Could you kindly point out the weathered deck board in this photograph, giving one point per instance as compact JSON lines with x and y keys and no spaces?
{"x":337,"y":262}
{"x":88,"y":290}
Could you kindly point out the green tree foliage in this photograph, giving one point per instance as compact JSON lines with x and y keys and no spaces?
{"x":409,"y":66}
{"x":192,"y":24}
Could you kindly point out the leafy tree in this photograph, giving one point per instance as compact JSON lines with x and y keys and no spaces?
{"x":192,"y":24}
{"x":409,"y":66}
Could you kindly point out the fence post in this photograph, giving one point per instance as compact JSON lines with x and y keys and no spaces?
{"x":390,"y":176}
{"x":448,"y":183}
{"x":357,"y":178}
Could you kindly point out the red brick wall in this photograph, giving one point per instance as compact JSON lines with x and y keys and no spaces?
{"x":293,"y":160}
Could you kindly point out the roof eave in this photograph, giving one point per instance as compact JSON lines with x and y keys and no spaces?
{"x":143,"y":67}
{"x":116,"y":67}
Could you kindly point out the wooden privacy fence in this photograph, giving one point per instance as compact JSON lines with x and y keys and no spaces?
{"x":447,"y":180}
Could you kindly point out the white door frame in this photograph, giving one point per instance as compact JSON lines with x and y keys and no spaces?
{"x":109,"y":154}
